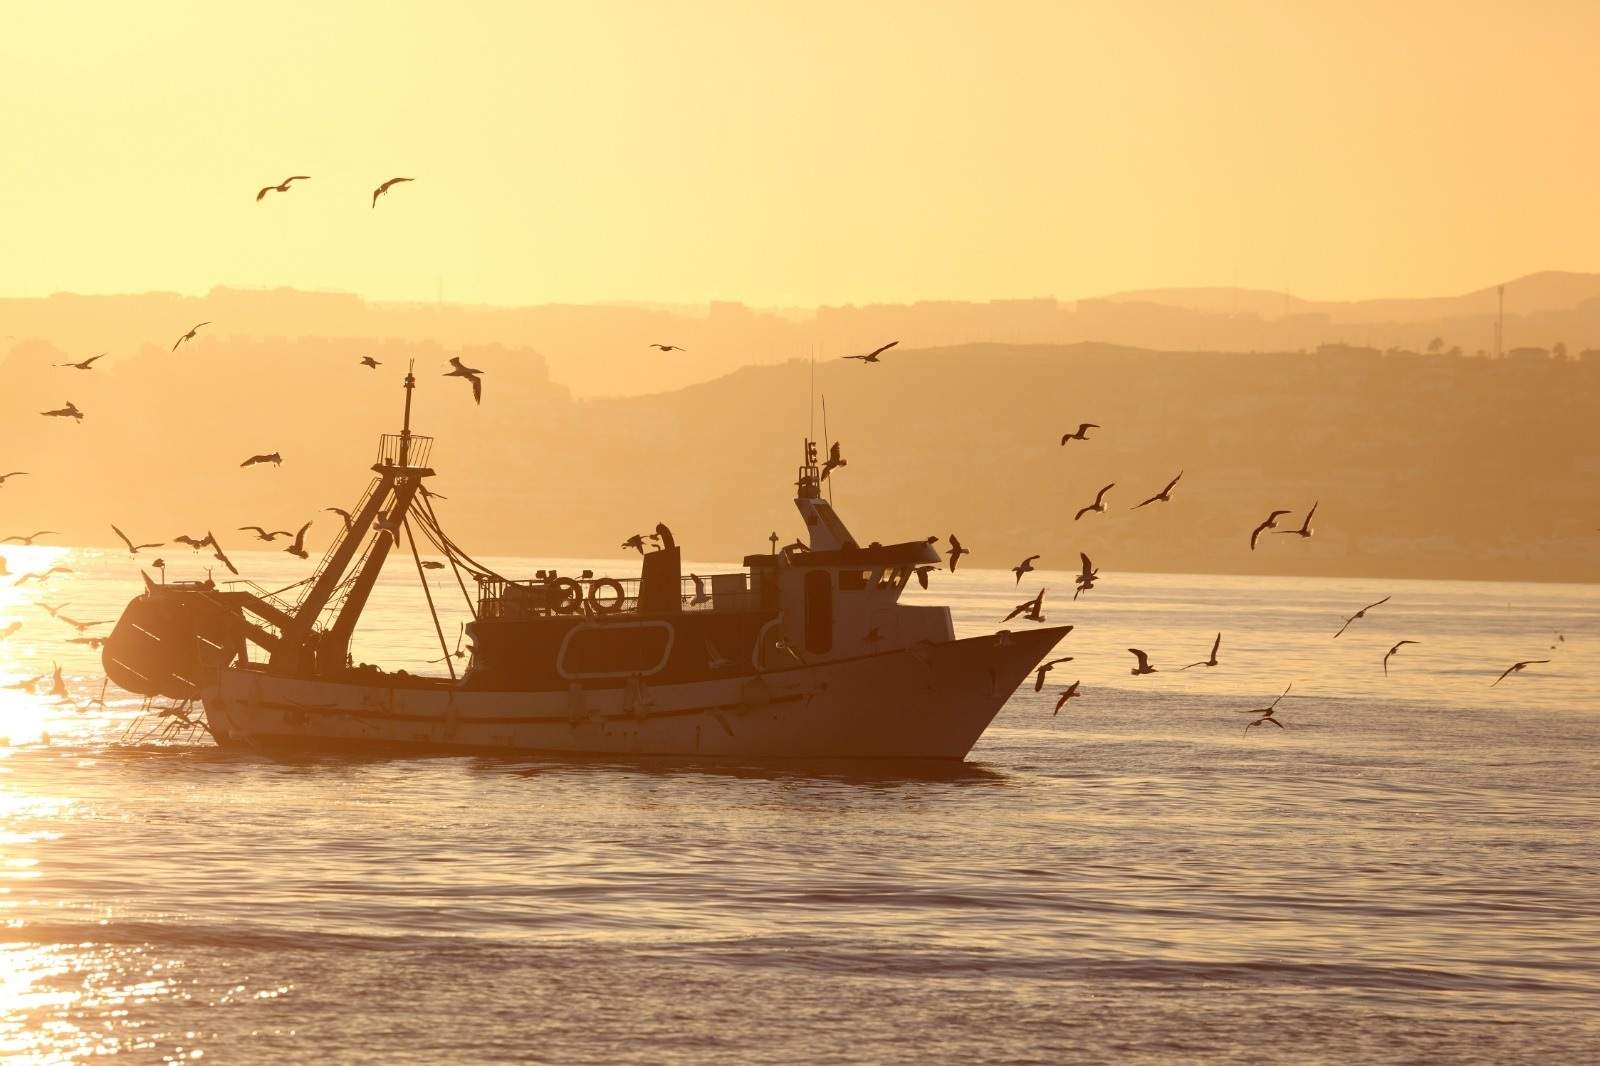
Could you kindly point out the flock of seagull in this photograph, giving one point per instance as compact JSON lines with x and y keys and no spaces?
{"x":1033,"y":609}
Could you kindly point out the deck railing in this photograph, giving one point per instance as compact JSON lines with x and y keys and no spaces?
{"x":595,"y":596}
{"x":416,"y":449}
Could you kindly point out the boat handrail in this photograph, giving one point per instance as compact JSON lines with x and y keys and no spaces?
{"x":506,"y":598}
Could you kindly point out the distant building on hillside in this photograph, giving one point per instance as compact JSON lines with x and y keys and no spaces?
{"x":1528,"y":353}
{"x":1353,"y":351}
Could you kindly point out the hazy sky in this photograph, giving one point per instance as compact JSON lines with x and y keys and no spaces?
{"x":798,"y":153}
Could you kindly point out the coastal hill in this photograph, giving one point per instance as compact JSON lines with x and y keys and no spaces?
{"x":1424,"y":465}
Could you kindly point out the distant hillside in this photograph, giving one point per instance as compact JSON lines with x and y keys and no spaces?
{"x":1423,"y":466}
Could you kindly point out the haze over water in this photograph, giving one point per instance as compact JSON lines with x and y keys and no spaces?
{"x":1409,"y":869}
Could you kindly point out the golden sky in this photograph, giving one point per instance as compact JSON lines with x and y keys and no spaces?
{"x":795,"y":154}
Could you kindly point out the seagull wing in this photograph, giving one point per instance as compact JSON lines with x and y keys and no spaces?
{"x":124,"y":537}
{"x":1144,"y":660}
{"x":1101,"y":495}
{"x":880,"y":351}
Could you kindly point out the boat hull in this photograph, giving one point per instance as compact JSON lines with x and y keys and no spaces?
{"x":930,"y":702}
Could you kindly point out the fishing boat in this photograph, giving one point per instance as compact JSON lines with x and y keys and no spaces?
{"x":805,"y":653}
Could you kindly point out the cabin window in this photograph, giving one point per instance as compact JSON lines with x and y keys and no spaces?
{"x":600,"y":650}
{"x":819,"y":612}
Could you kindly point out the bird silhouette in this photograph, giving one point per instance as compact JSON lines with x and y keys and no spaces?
{"x":1070,"y":692}
{"x":53,"y":612}
{"x":42,"y":576}
{"x":432,"y":564}
{"x":1045,"y":668}
{"x":956,"y":552}
{"x":190,"y":335}
{"x":58,"y":687}
{"x":1305,"y":529}
{"x":1516,"y":668}
{"x":368,"y":361}
{"x":833,"y":462}
{"x":461,"y":370}
{"x":69,"y":411}
{"x":298,"y":548}
{"x":256,"y":460}
{"x":700,"y":595}
{"x":1144,"y":666}
{"x":1086,"y":577}
{"x":82,"y":626}
{"x":385,"y":187}
{"x":1390,"y":654}
{"x":635,"y":541}
{"x":1270,"y":523}
{"x":220,"y":555}
{"x":87,"y":364}
{"x":7,"y":477}
{"x":266,"y":534}
{"x":922,"y":575}
{"x":1099,"y":504}
{"x":1029,"y":610}
{"x":194,"y":543}
{"x":1164,"y":496}
{"x":28,"y":540}
{"x":282,"y":186}
{"x":872,"y":356}
{"x":134,"y":549}
{"x":1216,"y":644}
{"x":1267,"y":713}
{"x":1081,"y":434}
{"x":1024,"y":567}
{"x":1359,"y":614}
{"x":93,"y":642}
{"x":343,"y":515}
{"x":668,"y":348}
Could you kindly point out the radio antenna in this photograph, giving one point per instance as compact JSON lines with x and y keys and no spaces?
{"x":826,"y":444}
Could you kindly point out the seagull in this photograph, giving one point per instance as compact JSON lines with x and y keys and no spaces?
{"x":193,"y":543}
{"x":1390,"y":654}
{"x":256,"y":460}
{"x":1360,"y":614}
{"x":380,"y":190}
{"x":1082,"y":434}
{"x":922,"y":575}
{"x":1029,"y":610}
{"x":133,"y":549}
{"x":53,"y":611}
{"x":833,"y":462}
{"x":45,"y":576}
{"x":298,"y":548}
{"x":1516,"y":668}
{"x":69,"y":411}
{"x":1038,"y":677}
{"x":31,"y":683}
{"x":872,"y":356}
{"x":1085,"y":577}
{"x":7,"y":477}
{"x":1024,"y":567}
{"x":87,"y":364}
{"x":1071,"y":691}
{"x":190,"y":335}
{"x":1270,"y":523}
{"x":220,"y":555}
{"x":956,"y":552}
{"x":668,"y":348}
{"x":1305,"y":529}
{"x":82,"y":626}
{"x":635,"y":541}
{"x":342,"y":513}
{"x":1144,"y":666}
{"x":93,"y":642}
{"x":1211,"y":661}
{"x":266,"y":534}
{"x":1099,"y":504}
{"x":427,"y":564}
{"x":25,"y":541}
{"x":1164,"y":496}
{"x":1267,"y":712}
{"x":282,"y":187}
{"x":700,"y":595}
{"x":461,"y":370}
{"x":368,"y":361}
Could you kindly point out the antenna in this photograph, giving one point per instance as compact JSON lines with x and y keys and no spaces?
{"x":405,"y":429}
{"x":826,"y":444}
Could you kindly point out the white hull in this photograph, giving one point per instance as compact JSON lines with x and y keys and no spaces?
{"x":929,"y":703}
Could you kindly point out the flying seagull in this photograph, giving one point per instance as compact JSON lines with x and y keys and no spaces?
{"x":1164,"y":496}
{"x":922,"y":575}
{"x":1267,"y":712}
{"x":833,"y":462}
{"x":87,"y":364}
{"x":1144,"y":666}
{"x":1038,"y":677}
{"x":1305,"y":529}
{"x":668,"y":348}
{"x":298,"y":548}
{"x":1360,"y":614}
{"x":385,"y":187}
{"x":342,"y":513}
{"x":220,"y":555}
{"x":1081,"y":434}
{"x":69,"y":411}
{"x":1390,"y":654}
{"x":15,"y":473}
{"x":1099,"y":504}
{"x":190,"y":335}
{"x":265,"y":534}
{"x":956,"y":552}
{"x":1086,"y":577}
{"x":1024,"y":567}
{"x":368,"y":361}
{"x":872,"y":356}
{"x":1071,"y":691}
{"x":133,"y":549}
{"x":1270,"y":523}
{"x":194,"y":543}
{"x":1516,"y":668}
{"x":461,"y":370}
{"x":28,"y":540}
{"x":256,"y":460}
{"x":1211,"y":661}
{"x":282,"y":186}
{"x":45,"y":576}
{"x":1029,"y":610}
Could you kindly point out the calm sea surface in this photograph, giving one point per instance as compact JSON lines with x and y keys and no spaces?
{"x":1409,"y":871}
